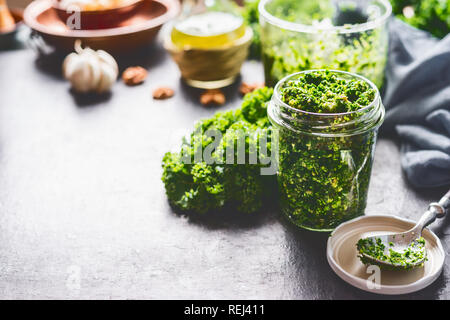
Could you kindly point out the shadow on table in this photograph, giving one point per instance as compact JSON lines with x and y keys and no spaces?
{"x":51,"y":65}
{"x":230,"y":218}
{"x":309,"y":276}
{"x":231,"y":92}
{"x":10,"y":44}
{"x":146,"y":57}
{"x":90,"y":99}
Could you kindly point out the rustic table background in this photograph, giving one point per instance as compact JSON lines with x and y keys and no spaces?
{"x":83,"y":213}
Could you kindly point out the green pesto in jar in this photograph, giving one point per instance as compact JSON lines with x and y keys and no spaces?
{"x":405,"y":259}
{"x":360,"y":56}
{"x":288,"y":51}
{"x":324,"y":92}
{"x":324,"y":177}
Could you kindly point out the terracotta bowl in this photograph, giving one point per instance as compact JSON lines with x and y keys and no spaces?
{"x":138,"y":30}
{"x":100,"y":19}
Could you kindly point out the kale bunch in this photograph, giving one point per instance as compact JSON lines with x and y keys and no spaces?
{"x":430,"y":15}
{"x":251,"y":17}
{"x":200,"y":184}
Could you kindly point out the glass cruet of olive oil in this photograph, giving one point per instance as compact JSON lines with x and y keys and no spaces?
{"x":205,"y":39}
{"x":207,"y":24}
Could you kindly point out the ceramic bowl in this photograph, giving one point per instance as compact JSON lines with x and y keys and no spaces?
{"x":342,"y":257}
{"x":100,"y":19}
{"x":138,"y":30}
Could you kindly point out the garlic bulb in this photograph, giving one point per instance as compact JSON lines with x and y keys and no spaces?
{"x":89,"y":70}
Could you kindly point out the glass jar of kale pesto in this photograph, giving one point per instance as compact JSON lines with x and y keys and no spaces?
{"x":349,"y":35}
{"x":327,"y":124}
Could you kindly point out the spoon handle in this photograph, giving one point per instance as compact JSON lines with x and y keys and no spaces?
{"x":435,"y":210}
{"x":445,"y":202}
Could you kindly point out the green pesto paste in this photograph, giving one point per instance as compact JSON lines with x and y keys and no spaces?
{"x":287,"y":51}
{"x":324,"y":92}
{"x":324,"y":178}
{"x":405,"y":259}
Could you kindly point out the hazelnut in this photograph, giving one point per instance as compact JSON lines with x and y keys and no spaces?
{"x":134,"y":75}
{"x":163,"y":93}
{"x":212,"y":96}
{"x":247,"y":87}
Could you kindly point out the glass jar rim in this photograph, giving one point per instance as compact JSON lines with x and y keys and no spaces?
{"x":299,"y":27}
{"x":277,"y":92}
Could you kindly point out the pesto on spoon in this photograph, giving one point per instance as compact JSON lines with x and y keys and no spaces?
{"x":404,"y":250}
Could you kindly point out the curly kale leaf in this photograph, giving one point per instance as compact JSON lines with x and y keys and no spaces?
{"x":251,"y":17}
{"x":430,"y":15}
{"x":196,"y":187}
{"x":202,"y":186}
{"x":254,"y":107}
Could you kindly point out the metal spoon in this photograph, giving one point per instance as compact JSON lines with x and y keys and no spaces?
{"x":399,"y":242}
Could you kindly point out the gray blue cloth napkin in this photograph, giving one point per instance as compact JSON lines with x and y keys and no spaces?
{"x":417,"y":101}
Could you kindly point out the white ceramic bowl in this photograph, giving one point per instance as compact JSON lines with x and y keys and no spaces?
{"x":342,"y":257}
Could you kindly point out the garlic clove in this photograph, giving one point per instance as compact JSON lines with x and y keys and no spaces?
{"x":109,"y":76}
{"x":105,"y":57}
{"x":69,"y":65}
{"x":80,"y":80}
{"x":82,"y":73}
{"x":93,"y":64}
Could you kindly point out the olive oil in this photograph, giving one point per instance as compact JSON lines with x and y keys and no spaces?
{"x":208,"y":30}
{"x":209,"y":41}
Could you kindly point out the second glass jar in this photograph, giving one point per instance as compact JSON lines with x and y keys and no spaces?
{"x":348,"y":35}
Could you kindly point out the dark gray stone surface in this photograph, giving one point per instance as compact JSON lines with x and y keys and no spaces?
{"x":80,"y":195}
